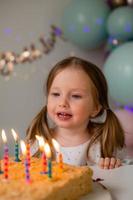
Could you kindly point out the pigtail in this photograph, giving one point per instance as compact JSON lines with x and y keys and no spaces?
{"x":112,"y":137}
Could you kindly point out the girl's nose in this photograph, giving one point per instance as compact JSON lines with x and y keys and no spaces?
{"x":63,"y":103}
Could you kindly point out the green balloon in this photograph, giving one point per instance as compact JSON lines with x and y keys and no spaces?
{"x":120,"y":23}
{"x":84,"y":22}
{"x":118,"y":70}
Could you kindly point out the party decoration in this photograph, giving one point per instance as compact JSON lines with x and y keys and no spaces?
{"x":9,"y":59}
{"x":118,"y":69}
{"x":116,"y":3}
{"x":126,"y":119}
{"x":130,"y":2}
{"x":84,"y":22}
{"x":120,"y":23}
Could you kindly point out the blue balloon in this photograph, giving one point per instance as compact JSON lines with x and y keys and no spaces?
{"x":120,"y":23}
{"x":118,"y":69}
{"x":84,"y":22}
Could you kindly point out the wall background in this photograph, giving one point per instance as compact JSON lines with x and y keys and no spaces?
{"x":21,"y":94}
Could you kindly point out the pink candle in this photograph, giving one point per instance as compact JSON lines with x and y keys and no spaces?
{"x":27,"y":171}
{"x":6,"y":155}
{"x":44,"y":159}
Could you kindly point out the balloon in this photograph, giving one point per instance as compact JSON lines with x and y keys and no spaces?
{"x":118,"y":69}
{"x":120,"y":23}
{"x":84,"y":22}
{"x":126,"y":119}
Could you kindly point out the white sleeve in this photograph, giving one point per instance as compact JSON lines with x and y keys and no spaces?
{"x":34,"y":148}
{"x":94,"y":154}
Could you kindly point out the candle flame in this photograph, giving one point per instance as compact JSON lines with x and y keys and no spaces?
{"x":56,"y":145}
{"x":41,"y":142}
{"x":23,"y":147}
{"x":4,"y":138}
{"x":15,"y":136}
{"x":47,"y":150}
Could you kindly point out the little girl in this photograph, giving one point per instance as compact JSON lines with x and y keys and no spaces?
{"x":83,"y":123}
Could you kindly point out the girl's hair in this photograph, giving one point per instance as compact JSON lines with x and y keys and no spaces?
{"x":110,"y":133}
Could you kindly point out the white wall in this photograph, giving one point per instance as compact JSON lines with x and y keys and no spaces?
{"x":21,"y":95}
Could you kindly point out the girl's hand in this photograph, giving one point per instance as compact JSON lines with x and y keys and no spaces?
{"x":109,"y":163}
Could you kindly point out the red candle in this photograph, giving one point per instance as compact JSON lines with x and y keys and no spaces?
{"x":28,"y":153}
{"x":6,"y":155}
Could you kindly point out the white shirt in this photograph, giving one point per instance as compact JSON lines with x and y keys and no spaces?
{"x":77,"y":155}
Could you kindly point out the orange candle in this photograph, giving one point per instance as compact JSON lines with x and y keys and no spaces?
{"x":6,"y":156}
{"x":60,"y":157}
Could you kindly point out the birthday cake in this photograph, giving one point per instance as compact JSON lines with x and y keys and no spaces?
{"x":68,"y":184}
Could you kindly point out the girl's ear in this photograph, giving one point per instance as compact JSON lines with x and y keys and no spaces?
{"x":96,"y":110}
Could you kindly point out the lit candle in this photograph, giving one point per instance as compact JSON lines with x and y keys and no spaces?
{"x":28,"y":153}
{"x":44,"y":161}
{"x":1,"y":172}
{"x":15,"y":136}
{"x":6,"y":156}
{"x":24,"y":152}
{"x":60,"y":157}
{"x":48,"y":155}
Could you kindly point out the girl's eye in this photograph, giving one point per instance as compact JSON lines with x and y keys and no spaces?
{"x":76,"y":96}
{"x":55,"y":94}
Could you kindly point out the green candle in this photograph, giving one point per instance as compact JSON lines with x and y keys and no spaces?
{"x":17,"y":152}
{"x":16,"y":145}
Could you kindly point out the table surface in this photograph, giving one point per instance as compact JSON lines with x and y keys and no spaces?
{"x":119,"y":181}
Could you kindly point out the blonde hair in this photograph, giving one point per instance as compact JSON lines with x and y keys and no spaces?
{"x":110,"y":133}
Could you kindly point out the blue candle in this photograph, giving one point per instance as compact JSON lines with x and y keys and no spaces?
{"x":49,"y":168}
{"x":49,"y":161}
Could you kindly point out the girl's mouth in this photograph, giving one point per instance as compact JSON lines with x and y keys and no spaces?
{"x":64,"y":115}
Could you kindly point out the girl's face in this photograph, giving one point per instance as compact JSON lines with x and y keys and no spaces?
{"x":70,"y":101}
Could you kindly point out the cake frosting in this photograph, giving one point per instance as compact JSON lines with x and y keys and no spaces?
{"x":69,"y":184}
